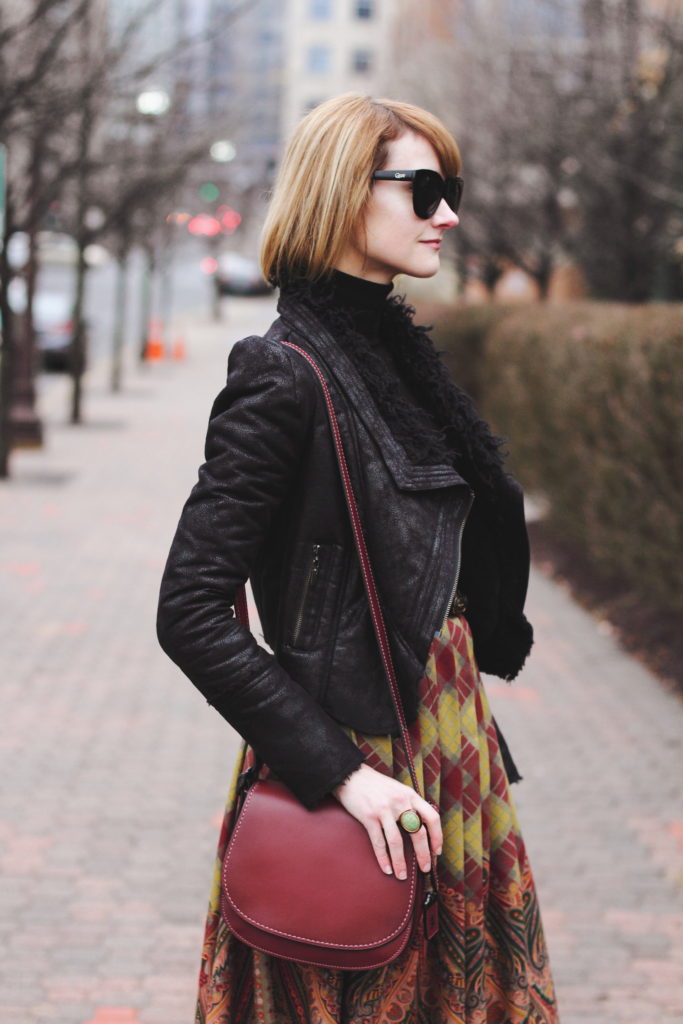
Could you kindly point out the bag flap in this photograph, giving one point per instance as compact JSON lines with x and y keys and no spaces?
{"x":312,"y":876}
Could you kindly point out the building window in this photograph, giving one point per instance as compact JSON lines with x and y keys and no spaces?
{"x":361,"y":61}
{"x":320,"y":10}
{"x":319,"y":60}
{"x":365,"y":9}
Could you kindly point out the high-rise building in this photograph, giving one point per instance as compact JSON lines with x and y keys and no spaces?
{"x":250,"y":73}
{"x":243,"y":83}
{"x":332,"y":47}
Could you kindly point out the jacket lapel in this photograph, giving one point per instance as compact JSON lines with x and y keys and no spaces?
{"x":306,"y":329}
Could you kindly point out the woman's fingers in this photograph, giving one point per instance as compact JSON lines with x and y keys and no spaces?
{"x":388,"y":845}
{"x":394,"y":841}
{"x":374,"y":830}
{"x":427,"y":840}
{"x":422,"y":850}
{"x":377,"y":801}
{"x":432,"y":822}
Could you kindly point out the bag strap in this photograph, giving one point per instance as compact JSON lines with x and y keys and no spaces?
{"x":366,"y":568}
{"x":430,"y":902}
{"x":241,"y":610}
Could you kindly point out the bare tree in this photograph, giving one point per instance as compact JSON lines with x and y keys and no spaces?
{"x":629,"y":162}
{"x":564,"y":109}
{"x":133,"y":189}
{"x":31,"y":45}
{"x":61,"y":74}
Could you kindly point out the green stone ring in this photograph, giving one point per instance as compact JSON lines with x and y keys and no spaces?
{"x":410,"y":821}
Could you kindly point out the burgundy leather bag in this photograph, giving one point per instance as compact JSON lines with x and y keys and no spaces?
{"x":305,"y":885}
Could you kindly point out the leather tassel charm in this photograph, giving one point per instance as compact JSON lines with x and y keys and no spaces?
{"x":431,"y":914}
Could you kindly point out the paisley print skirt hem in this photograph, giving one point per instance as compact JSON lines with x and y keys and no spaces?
{"x":489,"y":963}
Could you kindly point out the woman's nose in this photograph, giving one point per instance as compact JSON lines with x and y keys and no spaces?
{"x":445,"y":218}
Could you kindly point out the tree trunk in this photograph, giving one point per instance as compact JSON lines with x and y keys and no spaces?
{"x":26,"y":430}
{"x":7,"y":352}
{"x":147,"y":278}
{"x":216,"y":304}
{"x":79,"y":340}
{"x":543,"y":276}
{"x":121,"y":306}
{"x":166,"y":281}
{"x":491,"y":274}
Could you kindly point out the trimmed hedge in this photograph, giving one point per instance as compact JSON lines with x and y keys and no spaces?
{"x":460,"y":333}
{"x":590,"y":399}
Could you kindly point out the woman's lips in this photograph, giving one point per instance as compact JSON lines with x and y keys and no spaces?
{"x":434,"y":243}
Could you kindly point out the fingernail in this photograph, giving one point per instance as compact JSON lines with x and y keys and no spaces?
{"x":402,"y":874}
{"x":439,"y":851}
{"x":387,"y":871}
{"x":426,"y":867}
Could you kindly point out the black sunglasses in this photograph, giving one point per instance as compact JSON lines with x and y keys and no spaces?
{"x":429,"y":188}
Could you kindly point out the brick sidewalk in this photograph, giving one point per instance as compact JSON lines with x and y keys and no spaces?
{"x":114,"y":770}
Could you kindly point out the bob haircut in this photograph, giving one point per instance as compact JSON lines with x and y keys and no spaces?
{"x":325,"y":180}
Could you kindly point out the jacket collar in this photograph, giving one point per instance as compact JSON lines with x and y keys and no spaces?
{"x":305,"y":327}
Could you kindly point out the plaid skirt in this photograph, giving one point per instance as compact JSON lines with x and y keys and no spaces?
{"x":489,"y":963}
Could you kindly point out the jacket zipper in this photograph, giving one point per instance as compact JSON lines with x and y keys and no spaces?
{"x":457,"y":564}
{"x":312,"y":575}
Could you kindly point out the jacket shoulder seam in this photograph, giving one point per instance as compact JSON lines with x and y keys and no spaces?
{"x":296,"y":369}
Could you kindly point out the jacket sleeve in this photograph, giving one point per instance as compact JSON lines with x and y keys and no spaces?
{"x":257,"y":430}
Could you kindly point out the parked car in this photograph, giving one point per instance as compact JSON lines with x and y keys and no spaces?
{"x":52,"y":312}
{"x":54,"y":249}
{"x":239,"y":275}
{"x":54,"y":328}
{"x":57,"y":248}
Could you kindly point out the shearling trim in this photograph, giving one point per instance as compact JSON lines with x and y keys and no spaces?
{"x":442,"y":424}
{"x":515,"y":639}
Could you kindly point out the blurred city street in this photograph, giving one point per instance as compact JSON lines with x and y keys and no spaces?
{"x":115,"y":770}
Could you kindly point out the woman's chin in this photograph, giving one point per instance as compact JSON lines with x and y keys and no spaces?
{"x":419,"y":267}
{"x":424,"y":271}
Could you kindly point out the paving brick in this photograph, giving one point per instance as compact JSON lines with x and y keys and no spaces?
{"x":65,"y":1013}
{"x":118,"y":770}
{"x":114,"y":1015}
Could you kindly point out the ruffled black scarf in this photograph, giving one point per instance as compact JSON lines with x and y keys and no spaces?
{"x":433,"y":419}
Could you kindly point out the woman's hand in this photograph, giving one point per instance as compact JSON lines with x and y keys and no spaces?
{"x":377,"y":801}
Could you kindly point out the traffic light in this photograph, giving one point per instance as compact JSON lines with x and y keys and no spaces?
{"x":209,"y":192}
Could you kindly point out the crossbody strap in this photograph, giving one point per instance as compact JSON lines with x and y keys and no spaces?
{"x":366,"y":567}
{"x":241,"y":611}
{"x":430,"y":905}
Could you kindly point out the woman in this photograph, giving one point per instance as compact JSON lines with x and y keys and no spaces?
{"x":445,"y":530}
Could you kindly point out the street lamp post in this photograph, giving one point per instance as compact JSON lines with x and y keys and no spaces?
{"x":152,"y":103}
{"x":25,"y":426}
{"x":222,"y":151}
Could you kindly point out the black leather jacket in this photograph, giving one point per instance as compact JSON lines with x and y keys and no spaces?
{"x":268,"y":506}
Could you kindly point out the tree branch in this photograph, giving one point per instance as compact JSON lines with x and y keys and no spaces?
{"x":41,"y":8}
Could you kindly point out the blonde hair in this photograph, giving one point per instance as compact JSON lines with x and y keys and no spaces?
{"x":325,"y":180}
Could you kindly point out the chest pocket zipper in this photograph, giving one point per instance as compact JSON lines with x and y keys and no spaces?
{"x":311,"y":577}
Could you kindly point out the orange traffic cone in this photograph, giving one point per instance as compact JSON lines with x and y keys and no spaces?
{"x":179,"y":350}
{"x":154,"y":350}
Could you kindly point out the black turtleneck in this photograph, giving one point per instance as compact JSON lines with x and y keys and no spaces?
{"x":363,"y":301}
{"x":361,"y":305}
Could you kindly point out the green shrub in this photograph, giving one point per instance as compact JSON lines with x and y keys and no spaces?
{"x":590,"y":398}
{"x":460,"y":333}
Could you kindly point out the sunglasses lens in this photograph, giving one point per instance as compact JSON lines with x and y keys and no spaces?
{"x":453,"y":193}
{"x":429,"y":189}
{"x":427,"y":193}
